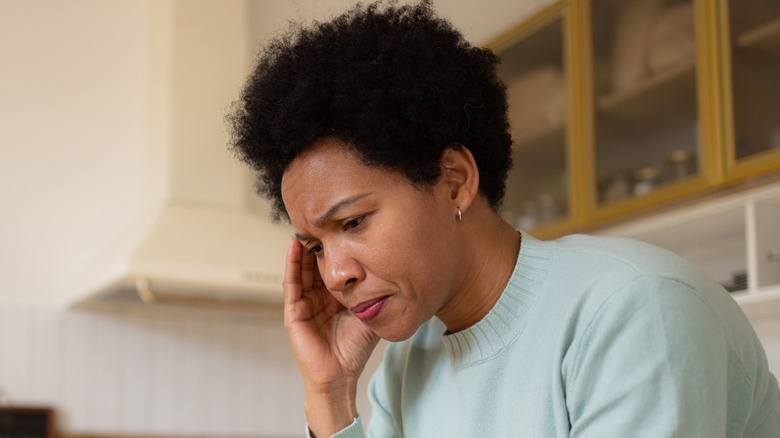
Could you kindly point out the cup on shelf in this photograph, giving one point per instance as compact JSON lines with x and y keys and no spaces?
{"x":682,"y":163}
{"x":645,"y":180}
{"x":615,"y":188}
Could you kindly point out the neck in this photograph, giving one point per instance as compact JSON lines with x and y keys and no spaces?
{"x":490,"y":248}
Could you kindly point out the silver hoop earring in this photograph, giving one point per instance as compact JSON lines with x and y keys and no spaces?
{"x":460,"y":216}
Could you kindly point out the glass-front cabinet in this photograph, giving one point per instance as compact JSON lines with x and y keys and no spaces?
{"x":534,"y":68}
{"x":622,"y":107}
{"x":751,"y":34}
{"x":645,"y":122}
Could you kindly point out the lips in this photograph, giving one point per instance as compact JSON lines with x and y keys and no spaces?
{"x":368,"y":310}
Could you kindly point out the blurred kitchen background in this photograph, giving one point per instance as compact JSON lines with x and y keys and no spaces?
{"x":140,"y":279}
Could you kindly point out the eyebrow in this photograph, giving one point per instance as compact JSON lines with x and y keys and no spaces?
{"x":332,"y":211}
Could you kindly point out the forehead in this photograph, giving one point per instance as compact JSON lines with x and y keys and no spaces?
{"x":328,"y":172}
{"x":324,"y":154}
{"x":325,"y":162}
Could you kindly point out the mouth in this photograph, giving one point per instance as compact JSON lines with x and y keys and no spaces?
{"x":369,"y":310}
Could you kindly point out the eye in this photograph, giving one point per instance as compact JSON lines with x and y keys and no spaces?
{"x":353,"y":223}
{"x":316,"y":250}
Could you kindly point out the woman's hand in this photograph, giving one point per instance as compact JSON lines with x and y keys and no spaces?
{"x":330,"y":344}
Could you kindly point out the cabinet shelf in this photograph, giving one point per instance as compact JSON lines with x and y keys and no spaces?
{"x":764,"y":303}
{"x":764,"y":37}
{"x":654,"y":95}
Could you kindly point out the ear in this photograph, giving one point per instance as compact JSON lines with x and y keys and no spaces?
{"x":460,"y":173}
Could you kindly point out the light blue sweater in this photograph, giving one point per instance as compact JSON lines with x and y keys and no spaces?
{"x":593,"y":337}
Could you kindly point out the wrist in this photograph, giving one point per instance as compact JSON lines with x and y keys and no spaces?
{"x":331,"y":410}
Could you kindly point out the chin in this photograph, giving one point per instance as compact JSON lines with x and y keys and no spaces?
{"x":395,"y":334}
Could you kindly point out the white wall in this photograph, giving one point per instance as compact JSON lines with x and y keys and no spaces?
{"x":72,"y":130}
{"x":479,"y":21}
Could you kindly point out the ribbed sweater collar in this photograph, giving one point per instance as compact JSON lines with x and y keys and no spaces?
{"x":507,"y":319}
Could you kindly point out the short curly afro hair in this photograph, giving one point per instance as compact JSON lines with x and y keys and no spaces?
{"x":396,"y":84}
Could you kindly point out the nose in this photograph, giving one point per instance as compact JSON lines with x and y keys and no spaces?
{"x":340,"y":269}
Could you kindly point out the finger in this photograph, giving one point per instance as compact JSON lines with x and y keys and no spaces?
{"x":308,"y":267}
{"x":316,"y":277}
{"x":292,"y":273}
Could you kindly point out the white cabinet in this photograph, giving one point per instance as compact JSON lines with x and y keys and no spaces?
{"x":734,"y":238}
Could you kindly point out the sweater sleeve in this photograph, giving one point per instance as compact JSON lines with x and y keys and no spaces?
{"x":652,"y":362}
{"x":354,"y":430}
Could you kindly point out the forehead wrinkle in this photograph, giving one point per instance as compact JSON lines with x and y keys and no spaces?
{"x":325,"y":218}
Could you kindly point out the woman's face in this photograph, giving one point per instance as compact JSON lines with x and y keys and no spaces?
{"x":383,"y":246}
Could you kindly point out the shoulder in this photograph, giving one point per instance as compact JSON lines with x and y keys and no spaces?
{"x":621,"y":274}
{"x":659,"y":303}
{"x":602,"y":266}
{"x":634,"y":255}
{"x":602,"y":280}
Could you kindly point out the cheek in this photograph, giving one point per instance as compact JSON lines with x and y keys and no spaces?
{"x":415,"y":255}
{"x":409,"y":244}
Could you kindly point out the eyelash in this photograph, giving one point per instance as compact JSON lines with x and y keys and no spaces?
{"x":353,"y":223}
{"x":350,"y":224}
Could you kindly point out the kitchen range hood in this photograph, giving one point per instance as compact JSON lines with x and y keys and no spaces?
{"x":192,"y":254}
{"x":203,"y":236}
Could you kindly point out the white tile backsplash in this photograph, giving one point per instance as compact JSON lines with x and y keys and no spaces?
{"x":120,"y":371}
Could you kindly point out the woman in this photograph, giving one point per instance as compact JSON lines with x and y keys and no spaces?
{"x":383,"y":137}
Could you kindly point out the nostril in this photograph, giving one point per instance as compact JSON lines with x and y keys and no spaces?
{"x":350,"y":281}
